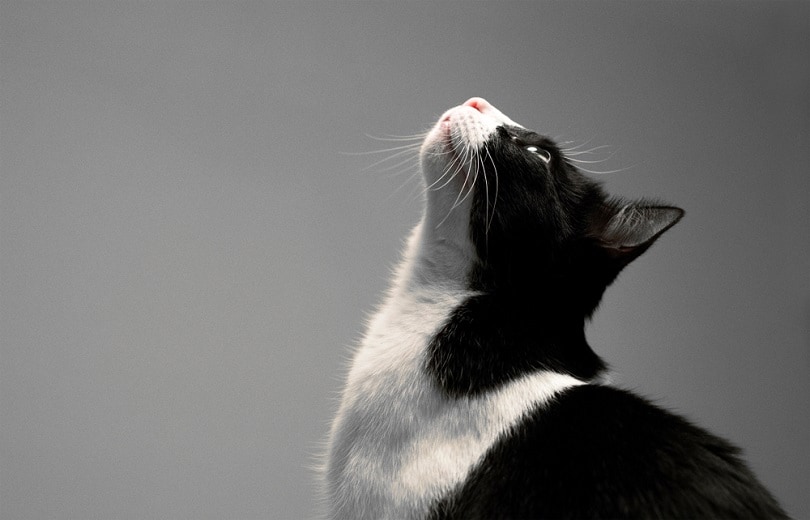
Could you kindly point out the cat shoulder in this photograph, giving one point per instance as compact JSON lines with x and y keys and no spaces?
{"x":574,"y":456}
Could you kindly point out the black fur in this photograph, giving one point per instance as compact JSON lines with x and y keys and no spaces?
{"x":549,"y":241}
{"x":545,"y":257}
{"x":600,"y":452}
{"x":492,"y":339}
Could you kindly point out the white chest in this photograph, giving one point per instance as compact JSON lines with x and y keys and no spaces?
{"x":399,"y":444}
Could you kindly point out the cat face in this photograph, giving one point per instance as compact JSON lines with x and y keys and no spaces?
{"x":533,"y":221}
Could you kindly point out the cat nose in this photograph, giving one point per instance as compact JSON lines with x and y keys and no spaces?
{"x":485,"y":107}
{"x":480,"y":104}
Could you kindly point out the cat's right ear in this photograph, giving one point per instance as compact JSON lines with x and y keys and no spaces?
{"x":625,"y":231}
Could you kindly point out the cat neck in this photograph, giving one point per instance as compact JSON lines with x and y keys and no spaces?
{"x":436,"y":257}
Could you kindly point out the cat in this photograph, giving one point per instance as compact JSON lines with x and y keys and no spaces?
{"x":474,"y":393}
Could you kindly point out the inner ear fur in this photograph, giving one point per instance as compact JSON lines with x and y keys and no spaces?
{"x":627,"y":229}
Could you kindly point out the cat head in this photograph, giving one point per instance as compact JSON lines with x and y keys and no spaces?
{"x":531,"y":222}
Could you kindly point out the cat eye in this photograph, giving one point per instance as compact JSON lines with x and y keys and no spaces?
{"x":536,"y":150}
{"x":544,"y":155}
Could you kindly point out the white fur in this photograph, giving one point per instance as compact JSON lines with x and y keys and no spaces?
{"x":398,"y":443}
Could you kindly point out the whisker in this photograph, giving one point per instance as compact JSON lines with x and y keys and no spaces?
{"x":412,"y":159}
{"x":575,"y":147}
{"x":495,"y":202}
{"x":607,"y":172}
{"x":412,"y":168}
{"x":467,"y":157}
{"x":456,"y":202}
{"x":486,"y":195}
{"x":415,"y":137}
{"x":432,"y":153}
{"x":409,"y":156}
{"x":412,"y":146}
{"x":459,"y":198}
{"x":453,"y":164}
{"x":582,"y":161}
{"x":409,"y":180}
{"x":474,"y":180}
{"x":590,"y":151}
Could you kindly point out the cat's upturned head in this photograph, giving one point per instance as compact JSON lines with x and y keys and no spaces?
{"x":532,"y":223}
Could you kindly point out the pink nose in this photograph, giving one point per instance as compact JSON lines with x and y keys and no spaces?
{"x":478,"y":103}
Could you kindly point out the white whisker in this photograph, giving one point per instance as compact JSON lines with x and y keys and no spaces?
{"x":582,"y":161}
{"x":471,"y":183}
{"x":454,"y":164}
{"x":412,"y":159}
{"x":416,"y":137}
{"x":409,"y":180}
{"x":410,"y":156}
{"x":467,"y":157}
{"x":495,"y":202}
{"x":607,"y":172}
{"x":577,"y":147}
{"x":589,"y":151}
{"x":486,"y":195}
{"x":407,"y":147}
{"x":413,"y":166}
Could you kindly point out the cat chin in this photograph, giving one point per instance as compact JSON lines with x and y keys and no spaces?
{"x":457,"y":137}
{"x":452,"y":160}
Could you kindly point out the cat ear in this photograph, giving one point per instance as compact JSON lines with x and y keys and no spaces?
{"x":630,"y":229}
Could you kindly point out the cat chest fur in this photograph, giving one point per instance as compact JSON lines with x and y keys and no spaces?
{"x":399,"y":444}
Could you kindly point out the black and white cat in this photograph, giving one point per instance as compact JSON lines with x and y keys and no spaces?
{"x":474,"y":393}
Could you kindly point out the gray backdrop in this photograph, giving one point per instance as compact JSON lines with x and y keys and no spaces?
{"x":188,"y":253}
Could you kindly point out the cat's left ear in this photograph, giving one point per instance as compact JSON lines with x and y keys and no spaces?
{"x":625,"y":231}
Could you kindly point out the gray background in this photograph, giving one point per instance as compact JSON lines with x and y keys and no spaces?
{"x":188,"y":254}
